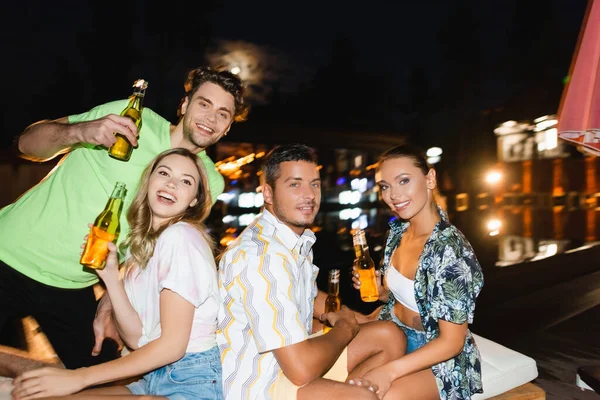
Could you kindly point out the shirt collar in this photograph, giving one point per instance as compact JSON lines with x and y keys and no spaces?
{"x":290,"y":239}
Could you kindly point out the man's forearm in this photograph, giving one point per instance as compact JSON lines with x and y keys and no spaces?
{"x":14,"y":362}
{"x":45,"y":140}
{"x":311,"y":359}
{"x":328,"y":347}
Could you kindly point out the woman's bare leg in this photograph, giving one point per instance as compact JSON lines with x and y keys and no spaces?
{"x":377,"y":343}
{"x":106,"y":393}
{"x":325,"y":389}
{"x":418,"y":386}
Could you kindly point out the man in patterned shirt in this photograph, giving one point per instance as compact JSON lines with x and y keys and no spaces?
{"x":269,"y":296}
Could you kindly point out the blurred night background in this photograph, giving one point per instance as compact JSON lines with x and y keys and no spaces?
{"x":480,"y":81}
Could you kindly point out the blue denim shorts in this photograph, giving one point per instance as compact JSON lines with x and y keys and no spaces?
{"x":195,"y":376}
{"x":414,"y":338}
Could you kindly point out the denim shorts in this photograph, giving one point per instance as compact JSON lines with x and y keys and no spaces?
{"x":414,"y":338}
{"x":195,"y":376}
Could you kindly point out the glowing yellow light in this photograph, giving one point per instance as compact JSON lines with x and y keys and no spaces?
{"x":493,"y":177}
{"x":494,"y":224}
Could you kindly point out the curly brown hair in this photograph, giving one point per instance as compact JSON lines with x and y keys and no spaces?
{"x":231,"y":83}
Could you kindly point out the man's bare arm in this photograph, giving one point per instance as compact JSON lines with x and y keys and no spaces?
{"x":45,"y":140}
{"x":308,"y":360}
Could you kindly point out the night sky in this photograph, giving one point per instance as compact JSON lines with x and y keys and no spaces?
{"x":435,"y":71}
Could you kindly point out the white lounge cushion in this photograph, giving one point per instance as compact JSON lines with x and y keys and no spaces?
{"x":5,"y":388}
{"x":502,"y":369}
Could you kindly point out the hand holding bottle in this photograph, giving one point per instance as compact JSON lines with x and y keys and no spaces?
{"x":365,"y":267}
{"x":110,"y":273}
{"x":381,"y":288}
{"x":106,"y":228}
{"x":344,"y":317}
{"x":123,"y":146}
{"x":101,"y":132}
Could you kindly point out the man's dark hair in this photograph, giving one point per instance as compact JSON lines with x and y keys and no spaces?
{"x":231,"y":83}
{"x":289,"y":152}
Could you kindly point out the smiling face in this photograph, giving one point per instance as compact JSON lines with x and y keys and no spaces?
{"x":172,"y":188}
{"x":296,"y":197}
{"x":404,"y":187}
{"x":207,"y":116}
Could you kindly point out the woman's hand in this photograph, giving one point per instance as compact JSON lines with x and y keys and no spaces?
{"x":364,"y":383}
{"x":379,"y":378}
{"x":47,"y":381}
{"x":110,"y":273}
{"x":381,"y":288}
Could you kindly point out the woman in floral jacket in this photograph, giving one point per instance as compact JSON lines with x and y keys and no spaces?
{"x":432,"y":279}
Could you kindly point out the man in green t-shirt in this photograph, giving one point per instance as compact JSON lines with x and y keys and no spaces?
{"x":41,"y":233}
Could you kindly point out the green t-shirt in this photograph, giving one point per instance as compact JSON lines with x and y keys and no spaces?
{"x":41,"y":233}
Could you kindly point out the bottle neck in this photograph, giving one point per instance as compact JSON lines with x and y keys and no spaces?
{"x":334,"y":282}
{"x":136,"y":100}
{"x":114,"y":204}
{"x":361,"y":251}
{"x":334,"y":287}
{"x":118,"y":192}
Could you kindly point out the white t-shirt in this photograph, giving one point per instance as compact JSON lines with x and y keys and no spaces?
{"x":183,"y":263}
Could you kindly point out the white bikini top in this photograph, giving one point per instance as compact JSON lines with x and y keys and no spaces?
{"x":402,"y":288}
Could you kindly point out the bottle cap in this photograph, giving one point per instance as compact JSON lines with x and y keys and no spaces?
{"x":359,"y":237}
{"x":141,"y":84}
{"x":334,"y":275}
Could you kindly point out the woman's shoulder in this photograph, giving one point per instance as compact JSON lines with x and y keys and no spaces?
{"x":450,"y":244}
{"x":449,"y":234}
{"x":181,"y":231}
{"x":183,"y":236}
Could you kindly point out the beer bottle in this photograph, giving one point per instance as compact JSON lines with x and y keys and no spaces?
{"x":365,"y":268}
{"x":122,"y":149}
{"x":105,"y":229}
{"x":332,"y":302}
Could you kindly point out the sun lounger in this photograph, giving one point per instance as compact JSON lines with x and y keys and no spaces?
{"x":506,"y":374}
{"x":5,"y":388}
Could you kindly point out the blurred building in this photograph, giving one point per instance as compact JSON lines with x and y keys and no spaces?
{"x":542,"y":196}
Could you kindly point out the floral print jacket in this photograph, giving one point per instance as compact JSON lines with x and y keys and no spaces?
{"x":447,"y":282}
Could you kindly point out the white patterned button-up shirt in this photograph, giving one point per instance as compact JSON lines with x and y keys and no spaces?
{"x":267,"y":284}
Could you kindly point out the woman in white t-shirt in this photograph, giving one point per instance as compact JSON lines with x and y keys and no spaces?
{"x":166,"y":303}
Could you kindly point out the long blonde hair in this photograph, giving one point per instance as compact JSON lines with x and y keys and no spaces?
{"x":141,"y":239}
